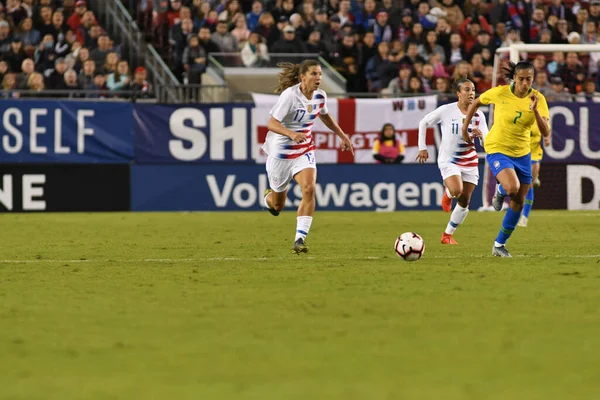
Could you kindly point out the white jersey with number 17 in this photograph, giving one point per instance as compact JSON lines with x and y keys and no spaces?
{"x":453,"y":148}
{"x":296,"y":113}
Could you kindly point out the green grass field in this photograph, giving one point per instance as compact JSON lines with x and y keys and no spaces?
{"x":215,"y":306}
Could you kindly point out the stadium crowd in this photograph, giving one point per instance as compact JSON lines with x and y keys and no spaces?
{"x":58,"y":45}
{"x":405,"y":46}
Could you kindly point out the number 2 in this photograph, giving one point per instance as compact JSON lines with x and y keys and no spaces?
{"x":517,"y":117}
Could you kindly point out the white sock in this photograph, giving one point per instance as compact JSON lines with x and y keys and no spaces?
{"x":496,"y":244}
{"x":302,"y":227}
{"x":265,"y":200}
{"x":458,"y":216}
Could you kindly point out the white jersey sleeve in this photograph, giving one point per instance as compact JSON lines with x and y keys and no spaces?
{"x":283,"y":106}
{"x":434,"y":117}
{"x":483,"y":127}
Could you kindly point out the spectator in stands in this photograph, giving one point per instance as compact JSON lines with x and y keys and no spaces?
{"x":35,"y":83}
{"x":87,"y":74}
{"x":415,"y":85}
{"x":412,"y":54}
{"x":119,"y":80}
{"x":589,"y":93}
{"x":430,"y":46}
{"x":365,"y":19}
{"x":16,"y":55}
{"x":75,"y":19}
{"x":267,"y":29}
{"x":206,"y":42}
{"x":346,"y":62}
{"x":225,"y":40}
{"x":485,"y":83}
{"x":84,"y":32}
{"x":454,"y":14}
{"x":99,"y":87}
{"x":5,"y":39}
{"x":44,"y":22}
{"x":4,"y":69}
{"x":442,"y":85}
{"x":289,"y":43}
{"x":178,"y":38}
{"x":561,"y":33}
{"x":59,"y":26}
{"x":456,"y":53}
{"x":388,"y":149}
{"x":140,"y":86}
{"x":462,"y":70}
{"x":232,"y":7}
{"x":253,"y":16}
{"x":438,"y":67}
{"x":314,"y":43}
{"x":399,"y":84}
{"x":44,"y":55}
{"x":172,"y":16}
{"x":27,"y":68}
{"x":110,"y":64}
{"x":378,"y":68}
{"x":557,"y":63}
{"x":255,"y":53}
{"x":29,"y":37}
{"x":9,"y":84}
{"x":71,"y":84}
{"x":594,"y":11}
{"x":56,"y":76}
{"x":580,"y":19}
{"x":427,"y":77}
{"x":404,"y":29}
{"x":483,"y":42}
{"x":558,"y":92}
{"x":384,"y":31}
{"x":99,"y":54}
{"x":541,"y":83}
{"x":241,"y":33}
{"x":15,"y":12}
{"x":572,"y":72}
{"x":194,"y":60}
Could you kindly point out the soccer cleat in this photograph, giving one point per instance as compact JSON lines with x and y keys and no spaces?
{"x":497,"y":200}
{"x":300,"y":246}
{"x":273,"y":211}
{"x":448,"y":239}
{"x":523,"y":221}
{"x":500,"y":252}
{"x":446,"y":202}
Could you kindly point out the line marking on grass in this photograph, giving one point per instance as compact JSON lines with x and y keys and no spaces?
{"x":227,"y":259}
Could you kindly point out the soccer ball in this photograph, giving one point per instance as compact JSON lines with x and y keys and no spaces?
{"x":409,"y":246}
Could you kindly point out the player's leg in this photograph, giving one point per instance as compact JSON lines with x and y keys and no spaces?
{"x":279,"y":173}
{"x":516,"y":181}
{"x":461,"y":209}
{"x":452,"y":184}
{"x":535,"y":170}
{"x":305,"y":175}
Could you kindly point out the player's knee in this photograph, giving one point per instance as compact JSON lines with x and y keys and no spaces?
{"x":455,"y":192}
{"x":308,"y":191}
{"x":517,"y":205}
{"x":278,"y":205}
{"x":512,"y":190}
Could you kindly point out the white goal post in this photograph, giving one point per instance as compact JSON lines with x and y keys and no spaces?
{"x":514,"y":50}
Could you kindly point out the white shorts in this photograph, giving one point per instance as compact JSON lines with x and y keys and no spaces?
{"x":469,"y":174}
{"x":281,"y":172}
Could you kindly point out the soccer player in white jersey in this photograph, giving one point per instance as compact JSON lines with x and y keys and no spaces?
{"x":290,"y":146}
{"x":458,"y":161}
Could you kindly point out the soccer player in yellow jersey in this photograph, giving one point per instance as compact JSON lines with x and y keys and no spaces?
{"x":518,"y":108}
{"x":536,"y":159}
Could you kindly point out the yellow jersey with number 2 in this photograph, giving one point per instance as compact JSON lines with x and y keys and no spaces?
{"x":513,"y":120}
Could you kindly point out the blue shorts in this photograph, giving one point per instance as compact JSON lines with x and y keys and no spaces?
{"x":521,"y":165}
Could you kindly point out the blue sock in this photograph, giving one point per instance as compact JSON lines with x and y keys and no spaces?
{"x":501,"y":190}
{"x":528,"y":203}
{"x":508,"y":225}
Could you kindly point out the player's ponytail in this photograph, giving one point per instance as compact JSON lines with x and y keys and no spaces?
{"x":512,"y":69}
{"x":291,"y":73}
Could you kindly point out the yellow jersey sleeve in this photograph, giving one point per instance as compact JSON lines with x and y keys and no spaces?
{"x":542,"y":105}
{"x":490,"y":95}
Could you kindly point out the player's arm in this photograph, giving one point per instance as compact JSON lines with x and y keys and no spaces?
{"x":470,"y":113}
{"x":541,"y":113}
{"x":275,"y":126}
{"x":335,"y":128}
{"x":430,"y":119}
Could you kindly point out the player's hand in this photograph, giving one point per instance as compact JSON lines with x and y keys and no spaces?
{"x":534,"y":102}
{"x":475,"y":132}
{"x":347,"y":145}
{"x":465,"y":134}
{"x":422,"y":156}
{"x":298,"y":137}
{"x":547,"y":140}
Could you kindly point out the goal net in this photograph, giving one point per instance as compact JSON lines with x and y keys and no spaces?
{"x":527,"y":52}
